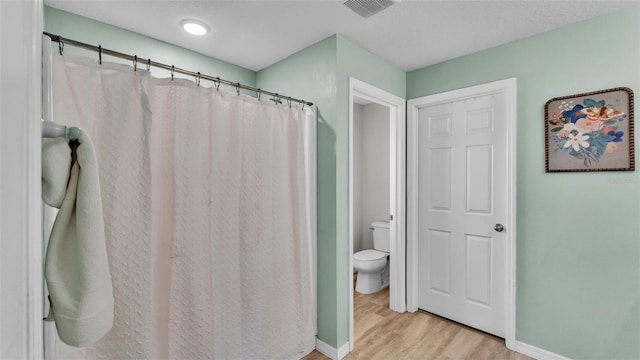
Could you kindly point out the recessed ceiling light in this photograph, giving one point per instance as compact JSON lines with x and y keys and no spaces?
{"x":194,"y":27}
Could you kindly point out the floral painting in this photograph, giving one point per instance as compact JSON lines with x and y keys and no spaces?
{"x":590,"y":132}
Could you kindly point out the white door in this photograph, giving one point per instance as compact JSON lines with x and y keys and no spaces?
{"x":462,"y":205}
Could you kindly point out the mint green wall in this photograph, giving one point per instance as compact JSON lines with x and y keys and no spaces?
{"x":96,"y":33}
{"x":578,"y":234}
{"x":320,"y":73}
{"x":354,"y":61}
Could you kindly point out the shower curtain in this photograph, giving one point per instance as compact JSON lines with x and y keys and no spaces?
{"x":209,"y":206}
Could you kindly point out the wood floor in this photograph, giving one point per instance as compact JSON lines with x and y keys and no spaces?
{"x":383,"y":334}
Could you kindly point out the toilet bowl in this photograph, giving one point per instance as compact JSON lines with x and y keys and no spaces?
{"x":372,"y":265}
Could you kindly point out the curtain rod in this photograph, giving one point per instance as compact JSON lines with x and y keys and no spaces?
{"x":100,"y":50}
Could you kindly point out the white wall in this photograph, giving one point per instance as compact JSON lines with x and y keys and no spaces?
{"x":371,"y":171}
{"x":20,"y":213}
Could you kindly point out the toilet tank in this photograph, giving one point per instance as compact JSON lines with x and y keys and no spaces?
{"x":381,"y":235}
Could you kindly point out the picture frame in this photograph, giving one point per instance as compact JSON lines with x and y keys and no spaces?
{"x":591,"y":131}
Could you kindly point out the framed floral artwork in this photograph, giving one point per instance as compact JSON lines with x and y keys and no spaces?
{"x":590,"y":132}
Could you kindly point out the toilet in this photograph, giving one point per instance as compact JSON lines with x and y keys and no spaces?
{"x":372,"y":265}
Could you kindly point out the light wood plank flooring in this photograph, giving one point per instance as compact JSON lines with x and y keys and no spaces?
{"x":383,"y":334}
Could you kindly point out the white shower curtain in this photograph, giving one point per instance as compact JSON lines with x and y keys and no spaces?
{"x":209,"y":205}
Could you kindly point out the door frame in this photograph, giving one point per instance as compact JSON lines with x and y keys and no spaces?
{"x":397,"y":116}
{"x":21,"y":250}
{"x":508,"y":87}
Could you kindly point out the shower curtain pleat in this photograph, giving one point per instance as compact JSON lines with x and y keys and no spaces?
{"x":110,"y":104}
{"x":209,"y":214}
{"x":190,"y":309}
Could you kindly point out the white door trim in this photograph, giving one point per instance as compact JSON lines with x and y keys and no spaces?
{"x":508,"y":87}
{"x":20,"y":194}
{"x":397,"y":276}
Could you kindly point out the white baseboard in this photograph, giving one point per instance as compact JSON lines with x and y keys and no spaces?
{"x":343,"y":350}
{"x":330,"y":351}
{"x":523,"y":348}
{"x":536,"y":352}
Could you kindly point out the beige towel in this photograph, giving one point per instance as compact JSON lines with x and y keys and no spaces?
{"x":76,"y":267}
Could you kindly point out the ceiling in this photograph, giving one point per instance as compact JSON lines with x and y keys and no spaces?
{"x":410,"y":34}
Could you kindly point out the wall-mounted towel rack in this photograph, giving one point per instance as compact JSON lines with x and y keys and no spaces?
{"x":53,"y":130}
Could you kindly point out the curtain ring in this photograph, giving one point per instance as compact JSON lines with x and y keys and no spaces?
{"x":172,"y":70}
{"x":99,"y":54}
{"x":259,"y":93}
{"x":60,"y":45}
{"x":198,"y":79}
{"x":217,"y":83}
{"x":238,"y":88}
{"x":289,"y":101}
{"x":149,"y":64}
{"x":135,"y":62}
{"x":303,"y":104}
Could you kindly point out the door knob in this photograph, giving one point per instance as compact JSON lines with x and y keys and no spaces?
{"x":498,"y":228}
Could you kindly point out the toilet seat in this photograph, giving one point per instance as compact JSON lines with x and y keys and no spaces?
{"x":369,"y":255}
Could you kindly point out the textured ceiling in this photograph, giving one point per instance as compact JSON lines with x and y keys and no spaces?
{"x":411,"y":34}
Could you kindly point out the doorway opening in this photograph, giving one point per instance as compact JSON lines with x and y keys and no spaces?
{"x":381,"y":117}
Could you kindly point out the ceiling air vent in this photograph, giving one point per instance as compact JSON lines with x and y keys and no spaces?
{"x":366,"y":8}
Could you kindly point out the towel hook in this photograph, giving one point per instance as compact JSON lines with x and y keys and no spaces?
{"x":53,"y":130}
